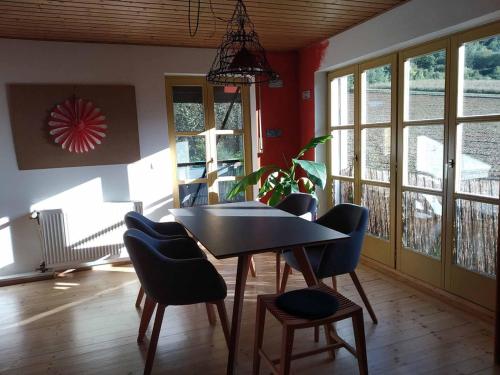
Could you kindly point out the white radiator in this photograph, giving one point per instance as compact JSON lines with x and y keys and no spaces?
{"x":80,"y":236}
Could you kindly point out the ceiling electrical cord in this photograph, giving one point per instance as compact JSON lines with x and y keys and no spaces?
{"x":215,"y":18}
{"x":191,"y":33}
{"x":213,"y":13}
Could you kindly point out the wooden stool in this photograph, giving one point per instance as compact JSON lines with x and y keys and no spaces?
{"x":347,"y":309}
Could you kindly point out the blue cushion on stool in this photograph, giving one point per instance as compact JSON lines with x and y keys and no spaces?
{"x":308,"y":303}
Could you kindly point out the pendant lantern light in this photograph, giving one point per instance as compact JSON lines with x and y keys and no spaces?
{"x":240,"y":58}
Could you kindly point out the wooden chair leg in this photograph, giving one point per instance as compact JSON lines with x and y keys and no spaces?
{"x":253,"y":271}
{"x":139,"y":297}
{"x":286,"y":350}
{"x":278,"y":270}
{"x":361,"y":292}
{"x":212,"y":320}
{"x":259,"y":335}
{"x":221,"y":309}
{"x":154,"y":339}
{"x":284,"y":280}
{"x":147,"y":312}
{"x":334,"y":283}
{"x":359,"y":337}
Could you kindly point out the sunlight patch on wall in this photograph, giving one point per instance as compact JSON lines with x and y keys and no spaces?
{"x":6,"y":252}
{"x":88,"y":194}
{"x":150,"y":181}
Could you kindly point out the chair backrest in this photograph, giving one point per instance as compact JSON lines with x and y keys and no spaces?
{"x":134,"y":220}
{"x":299,"y":204}
{"x":343,"y":256}
{"x":172,"y":281}
{"x":149,"y":264}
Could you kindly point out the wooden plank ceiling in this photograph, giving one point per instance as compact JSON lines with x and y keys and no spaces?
{"x":281,"y":24}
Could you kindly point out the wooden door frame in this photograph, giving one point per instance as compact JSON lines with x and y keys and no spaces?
{"x":372,"y":244}
{"x":407,"y":260}
{"x":459,"y":280}
{"x":200,"y":81}
{"x":330,"y":128}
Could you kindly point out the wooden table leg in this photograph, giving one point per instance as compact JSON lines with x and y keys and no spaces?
{"x":305,"y":266}
{"x":300,"y":255}
{"x":239,"y":293}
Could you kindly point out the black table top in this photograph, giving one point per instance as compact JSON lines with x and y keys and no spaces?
{"x":245,"y":228}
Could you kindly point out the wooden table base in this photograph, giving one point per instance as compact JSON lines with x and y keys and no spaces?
{"x":239,"y":293}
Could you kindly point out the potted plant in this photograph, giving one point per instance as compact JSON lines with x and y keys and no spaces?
{"x":281,"y":182}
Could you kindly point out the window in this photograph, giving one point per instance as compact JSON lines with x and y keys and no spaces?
{"x":439,"y":212}
{"x":362,"y":123}
{"x":209,"y":131}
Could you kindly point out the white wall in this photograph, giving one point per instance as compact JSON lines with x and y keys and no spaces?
{"x":147,"y":180}
{"x":409,"y":24}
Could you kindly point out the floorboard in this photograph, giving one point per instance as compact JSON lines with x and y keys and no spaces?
{"x":86,"y":323}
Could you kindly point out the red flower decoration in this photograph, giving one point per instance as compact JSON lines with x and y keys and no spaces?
{"x":78,"y":125}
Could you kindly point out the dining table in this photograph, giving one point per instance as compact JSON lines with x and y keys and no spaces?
{"x":242,"y":229}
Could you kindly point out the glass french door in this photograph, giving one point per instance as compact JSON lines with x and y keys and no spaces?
{"x":423,"y":119}
{"x":209,"y":132}
{"x":424,"y":158}
{"x":362,"y":122}
{"x":378,"y":82}
{"x":342,"y":150}
{"x":474,"y":165}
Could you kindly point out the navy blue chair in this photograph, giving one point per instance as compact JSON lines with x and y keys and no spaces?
{"x":134,"y":220}
{"x":298,"y":204}
{"x":341,"y":257}
{"x":162,"y":231}
{"x":173,"y":272}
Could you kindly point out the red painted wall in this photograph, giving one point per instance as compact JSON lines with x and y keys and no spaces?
{"x":280,"y":110}
{"x":284,"y":109}
{"x":309,"y":61}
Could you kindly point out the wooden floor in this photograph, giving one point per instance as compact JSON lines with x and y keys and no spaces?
{"x":86,"y":323}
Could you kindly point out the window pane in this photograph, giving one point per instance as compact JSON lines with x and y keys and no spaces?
{"x":230,"y":155}
{"x":376,"y":95}
{"x":422,"y":223}
{"x":227,"y":107}
{"x":188,"y":108}
{"x":423,"y":156}
{"x":224,"y":188}
{"x":479,"y":66}
{"x":343,"y":152}
{"x":193,"y":195}
{"x":424,"y":96}
{"x":476,"y":236}
{"x":343,"y":192}
{"x":191,"y":157}
{"x":478,"y":159}
{"x":377,"y":200}
{"x":342,"y":100}
{"x":376,"y":154}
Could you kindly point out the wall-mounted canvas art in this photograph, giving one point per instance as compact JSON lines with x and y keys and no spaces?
{"x":58,"y":126}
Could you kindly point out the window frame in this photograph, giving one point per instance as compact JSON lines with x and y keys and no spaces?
{"x":443,"y":273}
{"x":210,"y":132}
